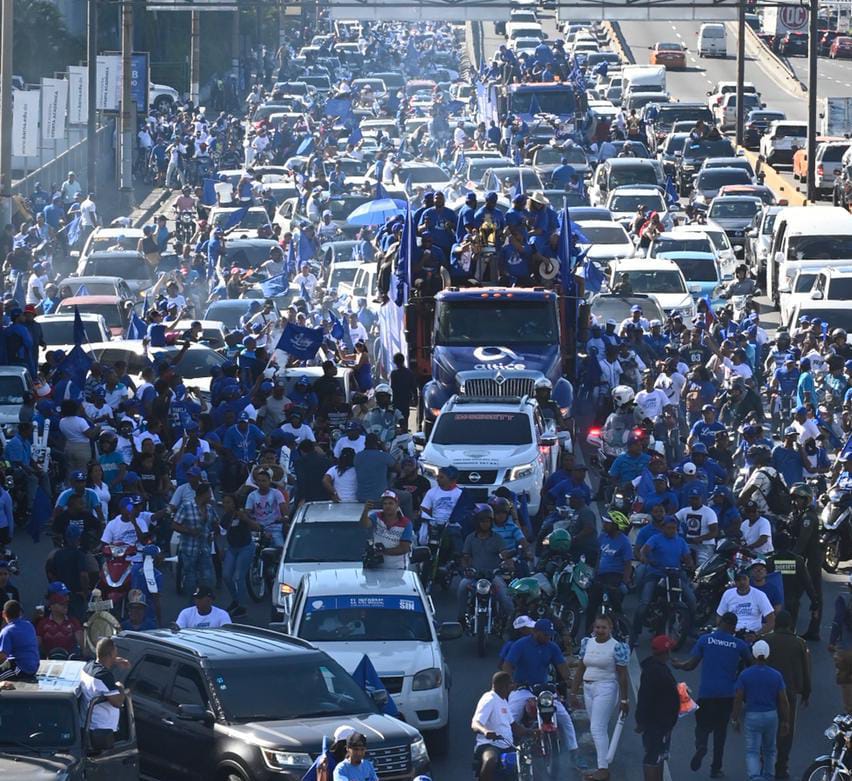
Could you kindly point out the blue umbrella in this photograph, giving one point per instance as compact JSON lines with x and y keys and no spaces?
{"x":376,"y":212}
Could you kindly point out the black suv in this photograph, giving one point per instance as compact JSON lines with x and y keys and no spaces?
{"x":239,"y":703}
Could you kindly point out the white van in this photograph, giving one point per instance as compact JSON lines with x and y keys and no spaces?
{"x":712,"y":40}
{"x":649,"y":76}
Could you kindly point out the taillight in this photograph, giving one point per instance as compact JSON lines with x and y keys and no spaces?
{"x":820,"y":170}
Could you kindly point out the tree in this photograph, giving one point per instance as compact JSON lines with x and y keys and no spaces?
{"x":42,"y":44}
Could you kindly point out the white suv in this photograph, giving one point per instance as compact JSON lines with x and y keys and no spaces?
{"x":386,"y":616}
{"x":493,"y":442}
{"x":781,"y":140}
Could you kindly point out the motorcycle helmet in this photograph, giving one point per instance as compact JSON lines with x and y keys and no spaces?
{"x":543,"y":382}
{"x":622,"y":395}
{"x":837,"y":332}
{"x":482,"y":510}
{"x":619,"y":519}
{"x":525,"y":588}
{"x":802,"y":490}
{"x":559,"y":541}
{"x":500,"y":504}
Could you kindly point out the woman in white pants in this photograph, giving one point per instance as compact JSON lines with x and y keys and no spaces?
{"x":603,"y":671}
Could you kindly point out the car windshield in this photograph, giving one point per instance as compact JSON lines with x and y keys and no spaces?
{"x":630,"y":203}
{"x":110,"y":313}
{"x":317,"y":542}
{"x":617,"y":308}
{"x":791,"y":131}
{"x":365,"y":619}
{"x":836,"y":318}
{"x":30,"y":723}
{"x":680,"y":244}
{"x":674,"y":143}
{"x":728,"y":209}
{"x":699,"y":150}
{"x":819,"y":247}
{"x":342,"y":275}
{"x":89,"y":288}
{"x":11,"y":390}
{"x":656,"y":282}
{"x":697,"y":269}
{"x":552,"y":155}
{"x":619,"y":177}
{"x":482,"y":428}
{"x":833,"y":153}
{"x":669,"y":47}
{"x":58,"y":332}
{"x":247,"y":255}
{"x":804,"y":282}
{"x":127,"y":267}
{"x":254,"y":218}
{"x":674,"y":113}
{"x":341,"y":208}
{"x":547,"y":101}
{"x":310,"y":685}
{"x":423,"y":173}
{"x":103,"y":243}
{"x":768,"y":224}
{"x":227,"y":312}
{"x":714,"y":178}
{"x":195,"y":364}
{"x":470,"y":322}
{"x":605,"y":234}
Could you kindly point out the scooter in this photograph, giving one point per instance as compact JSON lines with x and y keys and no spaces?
{"x":836,"y":528}
{"x":115,"y":574}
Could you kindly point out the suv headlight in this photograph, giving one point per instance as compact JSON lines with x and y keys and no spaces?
{"x":427,"y":679}
{"x":419,"y":754}
{"x":285,"y":760}
{"x":430,"y":470}
{"x":521,"y":471}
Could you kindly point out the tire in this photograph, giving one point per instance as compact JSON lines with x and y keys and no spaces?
{"x":831,"y":560}
{"x":548,"y":766}
{"x":822,"y":771}
{"x":678,"y":623}
{"x":481,"y":639}
{"x":255,"y":580}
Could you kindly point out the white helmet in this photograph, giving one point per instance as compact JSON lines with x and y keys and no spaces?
{"x":543,"y":382}
{"x":383,"y":388}
{"x":621,"y":395}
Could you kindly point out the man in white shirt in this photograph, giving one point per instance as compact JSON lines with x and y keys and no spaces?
{"x":357,"y":332}
{"x":204,"y":614}
{"x":97,"y":680}
{"x":89,"y":213}
{"x":307,"y":280}
{"x":127,"y":528}
{"x":354,"y":438}
{"x":492,"y":723}
{"x":651,"y":400}
{"x":700,"y":525}
{"x":750,"y":605}
{"x":35,"y":285}
{"x":807,"y":427}
{"x":438,"y":505}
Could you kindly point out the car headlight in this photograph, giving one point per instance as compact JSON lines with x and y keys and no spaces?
{"x":419,"y":754}
{"x":284,"y":591}
{"x":832,"y":732}
{"x":430,"y":470}
{"x":521,"y":471}
{"x":427,"y":679}
{"x":285,"y":760}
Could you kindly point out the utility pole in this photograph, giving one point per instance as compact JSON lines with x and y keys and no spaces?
{"x":741,"y":33}
{"x":126,"y":130}
{"x":235,"y":50}
{"x":92,"y":110}
{"x":813,"y":53}
{"x":195,"y":59}
{"x":6,"y":113}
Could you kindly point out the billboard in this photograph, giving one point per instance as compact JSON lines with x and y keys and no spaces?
{"x":139,"y":79}
{"x":109,"y":84}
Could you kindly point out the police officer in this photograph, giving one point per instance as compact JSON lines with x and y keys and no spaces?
{"x":804,"y":528}
{"x":794,"y":575}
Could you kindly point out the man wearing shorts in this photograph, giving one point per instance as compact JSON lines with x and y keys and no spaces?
{"x":657,"y":707}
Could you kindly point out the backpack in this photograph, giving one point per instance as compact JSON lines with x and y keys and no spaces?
{"x":778,"y":499}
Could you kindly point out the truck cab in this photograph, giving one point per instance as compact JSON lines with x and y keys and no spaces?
{"x":45,"y":732}
{"x":488,"y":341}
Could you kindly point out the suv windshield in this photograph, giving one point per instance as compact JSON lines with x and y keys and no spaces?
{"x":58,"y":332}
{"x":309,"y":685}
{"x":470,"y":322}
{"x":375,"y":618}
{"x":128,"y":267}
{"x":692,"y":244}
{"x":640,"y":174}
{"x":317,"y":542}
{"x":655,"y":282}
{"x":630,"y":203}
{"x":728,"y":209}
{"x":714,"y":178}
{"x":482,"y":428}
{"x":819,"y":247}
{"x":36,"y":723}
{"x":840,"y":289}
{"x":699,"y":150}
{"x":613,"y":234}
{"x":697,"y":269}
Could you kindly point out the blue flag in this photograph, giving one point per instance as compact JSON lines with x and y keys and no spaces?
{"x":306,"y":251}
{"x":42,"y":510}
{"x":404,"y":260}
{"x":235,"y":218}
{"x":19,"y":289}
{"x":380,"y":191}
{"x":461,"y":162}
{"x":535,"y":107}
{"x":337,"y":330}
{"x":401,"y":149}
{"x":524,"y":513}
{"x":208,"y":192}
{"x":355,"y":136}
{"x":331,"y":762}
{"x":564,"y":249}
{"x":137,"y":328}
{"x":300,"y":342}
{"x":73,"y":231}
{"x":274,"y":286}
{"x":594,"y":276}
{"x":75,"y":366}
{"x":367,"y":678}
{"x":462,"y":513}
{"x":79,"y":329}
{"x":408,"y":187}
{"x":82,"y":291}
{"x":671,"y":191}
{"x":291,"y":266}
{"x":306,"y":147}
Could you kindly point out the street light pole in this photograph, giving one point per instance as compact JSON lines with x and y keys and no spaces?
{"x":813,"y":53}
{"x":92,"y":100}
{"x":740,"y":70}
{"x":6,"y":113}
{"x":126,"y":131}
{"x":195,"y":59}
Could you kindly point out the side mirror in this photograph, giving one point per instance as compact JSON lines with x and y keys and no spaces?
{"x":817,"y":295}
{"x":419,"y":439}
{"x":194,"y":713}
{"x":449,"y":630}
{"x":420,"y":554}
{"x":379,"y":697}
{"x":548,"y":440}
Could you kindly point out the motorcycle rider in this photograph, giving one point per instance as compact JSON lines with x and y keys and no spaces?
{"x":742,"y":285}
{"x":794,"y":576}
{"x":492,"y":722}
{"x":804,"y":528}
{"x":615,"y":562}
{"x":550,"y":410}
{"x":483,"y":552}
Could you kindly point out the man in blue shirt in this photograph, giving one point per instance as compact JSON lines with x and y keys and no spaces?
{"x":615,"y":561}
{"x":243,"y":439}
{"x":708,"y":469}
{"x":441,"y":222}
{"x":663,"y":551}
{"x":629,"y":465}
{"x":786,"y":458}
{"x":722,"y":653}
{"x":704,"y":430}
{"x":18,"y":644}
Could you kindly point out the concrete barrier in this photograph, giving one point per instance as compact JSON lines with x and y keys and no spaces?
{"x":772,"y":62}
{"x":783,"y":189}
{"x":619,"y":44}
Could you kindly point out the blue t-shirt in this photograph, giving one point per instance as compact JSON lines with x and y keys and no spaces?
{"x":773,"y":588}
{"x":615,"y":553}
{"x":645,"y":534}
{"x":721,"y":654}
{"x":665,"y":553}
{"x":364,"y":771}
{"x":626,"y":467}
{"x":90,"y":498}
{"x":760,"y":685}
{"x":509,"y":533}
{"x":788,"y":463}
{"x":18,"y":641}
{"x":531,"y":660}
{"x":706,"y":432}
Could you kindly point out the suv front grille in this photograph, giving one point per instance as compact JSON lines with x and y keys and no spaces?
{"x":393,"y":683}
{"x":509,"y":386}
{"x":391,"y":761}
{"x":486,"y":476}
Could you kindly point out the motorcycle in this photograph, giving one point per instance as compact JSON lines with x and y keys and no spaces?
{"x":264,"y":564}
{"x":483,"y":617}
{"x":515,"y":762}
{"x":115,"y":574}
{"x":545,"y":747}
{"x":611,"y":606}
{"x":835,"y":532}
{"x":184,"y":226}
{"x":716,"y":574}
{"x":442,"y":566}
{"x":836,"y":766}
{"x":668,"y":614}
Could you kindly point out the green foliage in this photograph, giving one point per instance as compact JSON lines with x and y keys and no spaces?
{"x":42,"y":44}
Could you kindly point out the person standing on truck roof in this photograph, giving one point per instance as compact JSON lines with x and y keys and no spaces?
{"x":97,"y":680}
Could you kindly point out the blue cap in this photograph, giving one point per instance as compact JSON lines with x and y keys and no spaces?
{"x":244,"y":417}
{"x":151,"y":550}
{"x":695,"y":491}
{"x":802,"y":410}
{"x":699,"y":447}
{"x":58,"y":587}
{"x":266,"y":386}
{"x":354,"y":425}
{"x":193,"y":471}
{"x":470,"y":197}
{"x":491,"y":196}
{"x":78,"y":475}
{"x":191,"y":426}
{"x":450,"y":471}
{"x":544,"y":625}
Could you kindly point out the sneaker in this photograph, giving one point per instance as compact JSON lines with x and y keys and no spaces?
{"x":238,"y":612}
{"x":697,"y":757}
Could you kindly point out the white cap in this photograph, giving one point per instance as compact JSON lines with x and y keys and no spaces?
{"x":342,"y":733}
{"x":689,"y":468}
{"x":760,"y":649}
{"x":523,"y":622}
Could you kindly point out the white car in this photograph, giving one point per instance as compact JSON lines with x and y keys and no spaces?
{"x":103,"y":239}
{"x":624,"y":202}
{"x":322,"y":536}
{"x":607,"y":240}
{"x":58,"y":331}
{"x":256,"y":217}
{"x":725,"y":112}
{"x":386,"y":616}
{"x":162,"y":97}
{"x":721,"y":245}
{"x":723,"y":88}
{"x":781,"y":139}
{"x":493,"y":443}
{"x":659,"y":278}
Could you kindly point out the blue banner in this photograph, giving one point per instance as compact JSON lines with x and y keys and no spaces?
{"x":139,"y":80}
{"x":377,"y":602}
{"x":300,"y":342}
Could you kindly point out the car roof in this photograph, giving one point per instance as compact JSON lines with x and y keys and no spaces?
{"x":90,"y":278}
{"x":640,"y":264}
{"x":598,"y":223}
{"x":113,"y":253}
{"x":623,"y":162}
{"x":109,"y":233}
{"x":736,"y":199}
{"x":679,"y":254}
{"x":68,"y":317}
{"x":355,"y":580}
{"x":52,"y":676}
{"x":330,"y":512}
{"x":81,"y":300}
{"x":221,"y":643}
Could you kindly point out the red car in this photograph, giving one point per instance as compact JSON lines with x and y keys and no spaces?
{"x":840,"y":47}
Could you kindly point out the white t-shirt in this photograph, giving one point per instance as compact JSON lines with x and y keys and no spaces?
{"x":492,"y":711}
{"x":122,"y":532}
{"x":651,"y":403}
{"x":224,"y":193}
{"x":97,"y":414}
{"x":88,"y":214}
{"x":358,"y":333}
{"x":696,"y":522}
{"x":753,"y":532}
{"x":807,"y":430}
{"x":97,"y":681}
{"x":750,"y":609}
{"x":345,"y":484}
{"x":190,"y":618}
{"x":440,"y":503}
{"x":266,"y":509}
{"x":356,"y":444}
{"x":303,"y":432}
{"x":35,"y":288}
{"x":74,"y":428}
